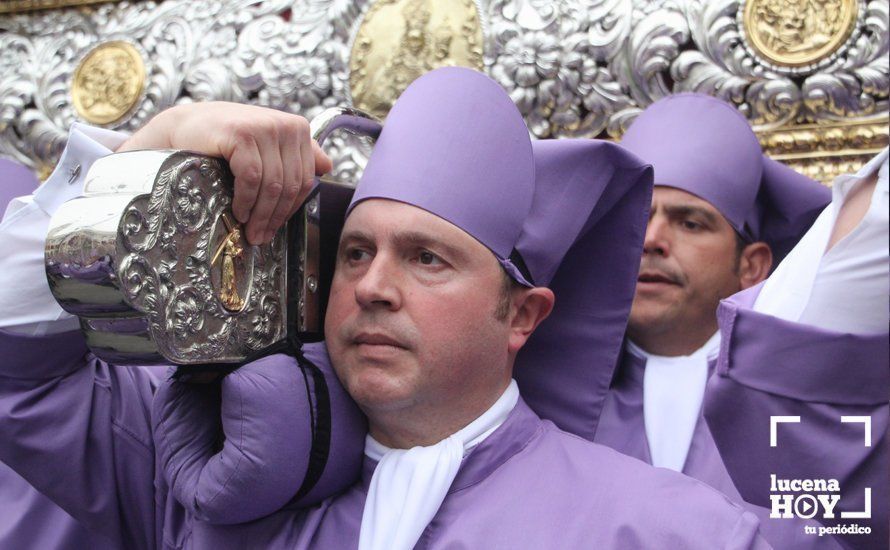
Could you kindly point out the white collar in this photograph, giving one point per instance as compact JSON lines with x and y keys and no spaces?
{"x":409,"y":485}
{"x":709,"y":350}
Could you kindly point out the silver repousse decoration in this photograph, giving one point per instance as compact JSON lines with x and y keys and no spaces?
{"x":167,"y":258}
{"x":153,"y":262}
{"x":573,"y":67}
{"x":137,"y":258}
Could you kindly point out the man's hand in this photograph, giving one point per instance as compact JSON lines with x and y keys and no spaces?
{"x":271,"y":154}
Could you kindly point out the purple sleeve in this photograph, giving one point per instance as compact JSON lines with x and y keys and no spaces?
{"x":79,"y":432}
{"x":768,"y":368}
{"x":291,"y":437}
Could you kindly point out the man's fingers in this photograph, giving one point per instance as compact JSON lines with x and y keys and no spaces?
{"x":247,"y":167}
{"x":285,"y":207}
{"x":323,"y":163}
{"x":270,"y":190}
{"x":270,"y":153}
{"x":293,"y":169}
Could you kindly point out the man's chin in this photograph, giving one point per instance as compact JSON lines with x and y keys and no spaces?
{"x":373,"y":387}
{"x":648,"y":317}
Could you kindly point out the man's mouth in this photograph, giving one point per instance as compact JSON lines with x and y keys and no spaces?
{"x":377,"y":339}
{"x":656,"y":277}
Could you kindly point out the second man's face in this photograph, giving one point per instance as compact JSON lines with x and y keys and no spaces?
{"x":689,"y":263}
{"x":411,"y":324}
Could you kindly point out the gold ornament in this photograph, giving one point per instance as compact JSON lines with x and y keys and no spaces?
{"x":825,"y":151}
{"x":796,"y":33}
{"x":229,"y":249}
{"x":399,"y":40}
{"x":108,"y":82}
{"x":17,"y":6}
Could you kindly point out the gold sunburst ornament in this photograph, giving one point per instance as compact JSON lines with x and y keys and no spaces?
{"x":108,"y":82}
{"x":399,"y":40}
{"x":797,"y":33}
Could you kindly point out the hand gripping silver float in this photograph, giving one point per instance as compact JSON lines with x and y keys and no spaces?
{"x":156,"y":267}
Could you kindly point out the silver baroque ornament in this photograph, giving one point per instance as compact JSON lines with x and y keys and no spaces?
{"x":575,"y":68}
{"x":173,"y":268}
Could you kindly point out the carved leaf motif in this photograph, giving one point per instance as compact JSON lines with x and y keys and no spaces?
{"x":592,"y":65}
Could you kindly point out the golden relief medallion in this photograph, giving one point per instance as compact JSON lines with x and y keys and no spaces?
{"x":399,"y":40}
{"x":108,"y":82}
{"x":795,"y":33}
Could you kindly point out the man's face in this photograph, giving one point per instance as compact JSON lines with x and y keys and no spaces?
{"x":690,"y":263}
{"x":411,"y":320}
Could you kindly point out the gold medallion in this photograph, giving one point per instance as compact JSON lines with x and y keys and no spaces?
{"x":108,"y":82}
{"x":399,"y":40}
{"x":796,"y":33}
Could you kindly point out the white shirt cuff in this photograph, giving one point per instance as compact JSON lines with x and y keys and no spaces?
{"x":26,"y":305}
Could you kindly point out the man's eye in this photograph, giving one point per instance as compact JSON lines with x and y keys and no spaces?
{"x":428,"y":258}
{"x":356,"y":254}
{"x":690,"y":225}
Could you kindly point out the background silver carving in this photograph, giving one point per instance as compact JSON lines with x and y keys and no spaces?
{"x":573,"y":67}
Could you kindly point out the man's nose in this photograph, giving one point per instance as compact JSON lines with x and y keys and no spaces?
{"x":658,"y":237}
{"x":379,"y":285}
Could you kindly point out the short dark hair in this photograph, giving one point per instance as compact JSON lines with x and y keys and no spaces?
{"x":505,"y":300}
{"x":740,"y":244}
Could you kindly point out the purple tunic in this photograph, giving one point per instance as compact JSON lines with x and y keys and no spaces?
{"x":622,"y":427}
{"x":771,"y":367}
{"x":528,"y":485}
{"x":30,"y":520}
{"x":80,"y":431}
{"x":27,"y":518}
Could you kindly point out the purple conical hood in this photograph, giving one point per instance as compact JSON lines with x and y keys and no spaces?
{"x":583,"y":238}
{"x":704,"y":146}
{"x":15,"y":180}
{"x":455,"y":145}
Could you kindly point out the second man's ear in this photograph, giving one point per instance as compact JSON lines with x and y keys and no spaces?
{"x":755,"y":264}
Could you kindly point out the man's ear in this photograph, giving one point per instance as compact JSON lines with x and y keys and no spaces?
{"x":754,"y":264}
{"x":530,"y":307}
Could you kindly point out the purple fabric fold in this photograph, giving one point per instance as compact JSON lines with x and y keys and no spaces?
{"x":770,"y":367}
{"x":755,"y":349}
{"x":265,"y":409}
{"x":592,"y":217}
{"x":45,"y":356}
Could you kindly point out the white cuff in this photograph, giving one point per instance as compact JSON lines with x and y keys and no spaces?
{"x":26,"y":304}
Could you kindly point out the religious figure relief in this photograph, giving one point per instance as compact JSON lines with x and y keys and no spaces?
{"x":229,"y":249}
{"x":400,"y":40}
{"x":798,"y":32}
{"x":108,"y":82}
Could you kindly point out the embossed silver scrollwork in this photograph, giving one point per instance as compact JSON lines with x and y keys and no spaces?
{"x":573,"y":67}
{"x":554,"y":60}
{"x":697,"y":45}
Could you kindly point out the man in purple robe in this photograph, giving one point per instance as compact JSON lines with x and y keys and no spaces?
{"x":27,"y":518}
{"x":804,"y":367}
{"x":722,"y":215}
{"x":440,"y":281}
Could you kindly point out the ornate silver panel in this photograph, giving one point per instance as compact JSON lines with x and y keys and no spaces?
{"x":139,"y":258}
{"x":573,"y":67}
